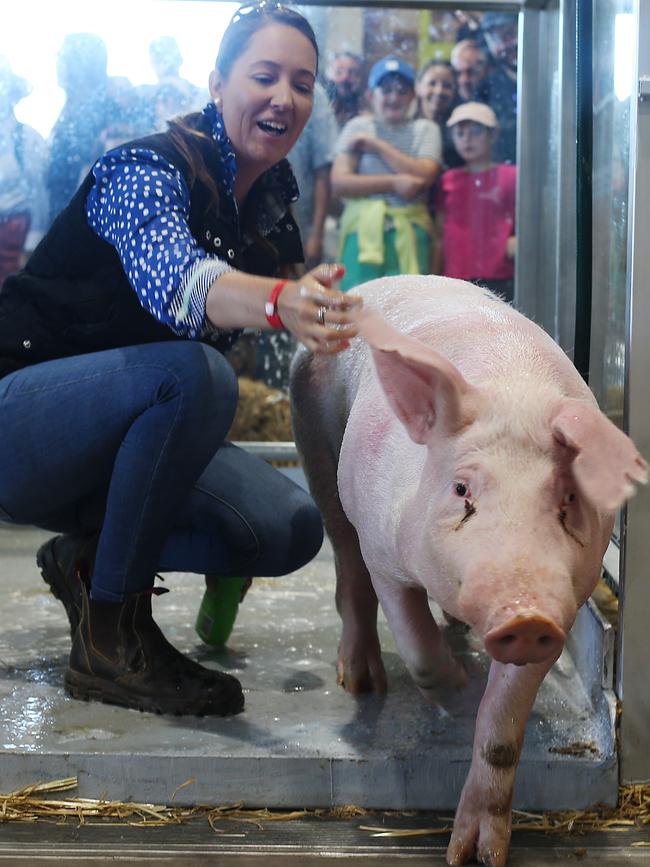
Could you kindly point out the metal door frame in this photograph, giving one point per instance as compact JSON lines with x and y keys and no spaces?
{"x":633,"y":685}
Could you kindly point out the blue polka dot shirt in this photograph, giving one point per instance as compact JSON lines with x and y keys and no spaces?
{"x":140,"y":204}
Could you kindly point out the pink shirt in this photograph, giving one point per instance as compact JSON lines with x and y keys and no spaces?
{"x":479,"y":210}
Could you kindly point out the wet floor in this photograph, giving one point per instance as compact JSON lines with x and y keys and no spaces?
{"x":301,"y":740}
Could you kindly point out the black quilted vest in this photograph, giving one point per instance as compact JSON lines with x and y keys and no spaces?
{"x":73,"y":296}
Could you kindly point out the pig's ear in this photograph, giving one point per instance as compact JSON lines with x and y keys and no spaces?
{"x":423,"y":388}
{"x":604,"y":461}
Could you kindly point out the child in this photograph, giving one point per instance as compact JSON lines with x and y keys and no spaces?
{"x":475,"y":206}
{"x":384,"y":165}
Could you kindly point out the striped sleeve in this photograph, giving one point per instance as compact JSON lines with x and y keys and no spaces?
{"x":140,"y":205}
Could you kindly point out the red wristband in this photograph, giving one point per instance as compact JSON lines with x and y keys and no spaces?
{"x":271,"y":306}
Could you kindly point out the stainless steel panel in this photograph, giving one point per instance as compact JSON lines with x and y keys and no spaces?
{"x":633,"y":683}
{"x":545,"y":266}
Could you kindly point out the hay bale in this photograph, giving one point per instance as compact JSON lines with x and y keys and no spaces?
{"x":263,"y":413}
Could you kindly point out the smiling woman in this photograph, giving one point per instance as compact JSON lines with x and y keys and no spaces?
{"x":114,"y":393}
{"x":266,"y":97}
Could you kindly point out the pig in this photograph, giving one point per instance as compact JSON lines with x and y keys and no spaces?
{"x":456,"y":453}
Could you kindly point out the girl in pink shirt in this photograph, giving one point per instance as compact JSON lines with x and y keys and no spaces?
{"x":475,"y":206}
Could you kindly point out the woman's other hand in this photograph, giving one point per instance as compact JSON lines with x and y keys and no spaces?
{"x":321,"y":317}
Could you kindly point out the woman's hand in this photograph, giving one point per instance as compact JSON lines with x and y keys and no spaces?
{"x":322,"y":318}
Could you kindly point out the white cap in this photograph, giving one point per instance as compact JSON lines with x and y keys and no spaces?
{"x":479,"y":112}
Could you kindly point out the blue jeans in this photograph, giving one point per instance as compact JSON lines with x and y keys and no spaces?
{"x":130,"y":442}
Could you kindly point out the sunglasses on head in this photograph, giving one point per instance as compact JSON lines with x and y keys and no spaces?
{"x":261,"y":7}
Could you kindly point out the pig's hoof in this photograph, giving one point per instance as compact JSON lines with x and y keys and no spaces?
{"x":361,"y":674}
{"x":461,"y":851}
{"x":480,"y":834}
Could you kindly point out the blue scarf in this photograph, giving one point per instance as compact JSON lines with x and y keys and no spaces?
{"x":280,"y":175}
{"x":226,"y":152}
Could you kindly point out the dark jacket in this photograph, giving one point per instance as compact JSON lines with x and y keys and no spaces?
{"x":73,"y":296}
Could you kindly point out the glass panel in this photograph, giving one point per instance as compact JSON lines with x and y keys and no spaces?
{"x":613,"y":76}
{"x":86,"y":80}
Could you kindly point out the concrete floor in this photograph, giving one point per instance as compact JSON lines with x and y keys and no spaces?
{"x":301,"y":741}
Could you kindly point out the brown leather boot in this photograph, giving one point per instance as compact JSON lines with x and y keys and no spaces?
{"x":120,"y":656}
{"x":66,"y":563}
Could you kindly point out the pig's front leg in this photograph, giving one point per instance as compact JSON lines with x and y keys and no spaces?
{"x":420,"y":642}
{"x":483,"y":822}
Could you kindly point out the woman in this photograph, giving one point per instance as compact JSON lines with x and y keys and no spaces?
{"x":116,"y":399}
{"x":385,"y":164}
{"x":437,"y":94}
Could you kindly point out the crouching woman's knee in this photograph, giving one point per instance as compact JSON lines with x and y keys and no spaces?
{"x":307,"y":533}
{"x":294,"y":536}
{"x":209,"y":386}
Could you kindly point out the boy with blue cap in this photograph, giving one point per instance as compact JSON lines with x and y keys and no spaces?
{"x":384,"y":165}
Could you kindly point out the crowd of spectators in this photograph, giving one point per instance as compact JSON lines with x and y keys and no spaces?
{"x":351,"y":129}
{"x":470,"y":194}
{"x":39,"y":177}
{"x":23,"y":154}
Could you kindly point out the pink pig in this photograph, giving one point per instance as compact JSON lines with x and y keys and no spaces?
{"x":456,"y":452}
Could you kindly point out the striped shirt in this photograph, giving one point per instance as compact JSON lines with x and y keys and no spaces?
{"x":416,"y":138}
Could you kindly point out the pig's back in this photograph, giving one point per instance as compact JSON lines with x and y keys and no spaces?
{"x":478,"y":332}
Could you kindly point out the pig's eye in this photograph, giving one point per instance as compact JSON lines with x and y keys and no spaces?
{"x":461,"y":489}
{"x":567,"y":500}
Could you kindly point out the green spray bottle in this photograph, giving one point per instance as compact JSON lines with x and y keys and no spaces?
{"x":218,"y":610}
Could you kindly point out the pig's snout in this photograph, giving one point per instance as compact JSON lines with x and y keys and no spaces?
{"x":525,"y":639}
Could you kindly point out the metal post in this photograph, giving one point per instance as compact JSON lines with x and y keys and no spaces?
{"x":584,"y":165}
{"x":634,"y":635}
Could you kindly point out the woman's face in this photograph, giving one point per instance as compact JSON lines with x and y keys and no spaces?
{"x":267,"y":98}
{"x":392,"y":98}
{"x":436,"y":90}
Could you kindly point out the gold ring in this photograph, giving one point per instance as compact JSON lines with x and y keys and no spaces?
{"x":320,"y":316}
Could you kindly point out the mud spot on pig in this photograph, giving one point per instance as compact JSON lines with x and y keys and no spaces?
{"x":470,"y":509}
{"x":500,"y":755}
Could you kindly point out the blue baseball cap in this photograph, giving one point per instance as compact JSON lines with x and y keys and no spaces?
{"x":391,"y":65}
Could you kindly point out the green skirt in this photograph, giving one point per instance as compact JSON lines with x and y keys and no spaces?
{"x":358,"y":272}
